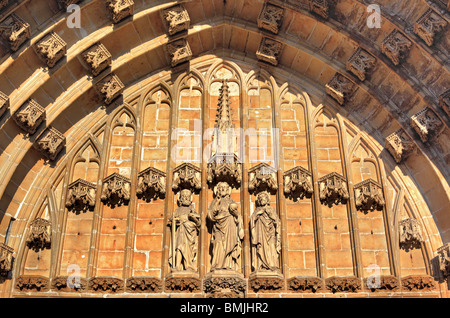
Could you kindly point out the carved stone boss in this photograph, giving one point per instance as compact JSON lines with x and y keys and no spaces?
{"x":98,"y":58}
{"x":4,"y":103}
{"x":270,"y":18}
{"x":110,"y":87}
{"x":151,"y":184}
{"x":29,"y":116}
{"x":444,"y":259}
{"x":360,"y":63}
{"x":40,"y":234}
{"x":15,"y":31}
{"x":179,"y":51}
{"x":50,"y":143}
{"x":6,"y":259}
{"x":120,"y":9}
{"x":51,"y":48}
{"x":369,"y":196}
{"x":177,"y":19}
{"x":427,"y":124}
{"x":340,"y":88}
{"x":333,"y":189}
{"x":428,"y":25}
{"x":269,"y":51}
{"x":116,"y":189}
{"x":410,"y":233}
{"x":399,"y":145}
{"x":298,"y":183}
{"x":81,"y":196}
{"x":396,"y":46}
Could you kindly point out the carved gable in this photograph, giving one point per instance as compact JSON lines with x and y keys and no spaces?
{"x":50,"y":143}
{"x":396,"y":46}
{"x":428,"y":25}
{"x":269,"y":51}
{"x":15,"y":31}
{"x":51,"y":48}
{"x":176,"y":18}
{"x":399,"y":145}
{"x":427,"y":124}
{"x":29,"y":116}
{"x":270,"y":18}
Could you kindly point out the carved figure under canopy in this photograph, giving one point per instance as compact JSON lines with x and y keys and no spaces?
{"x":185,"y":225}
{"x":227,"y":229}
{"x":265,"y":232}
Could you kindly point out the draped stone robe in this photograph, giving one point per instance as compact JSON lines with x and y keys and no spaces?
{"x":227,"y":234}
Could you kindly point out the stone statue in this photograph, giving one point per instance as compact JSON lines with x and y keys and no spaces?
{"x":265,"y":230}
{"x":185,"y":225}
{"x":227,"y":229}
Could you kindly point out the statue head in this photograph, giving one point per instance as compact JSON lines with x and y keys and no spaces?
{"x":185,"y":198}
{"x":262,"y":199}
{"x":223,"y":189}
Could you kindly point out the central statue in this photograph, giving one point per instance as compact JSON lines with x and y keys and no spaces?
{"x":227,"y":229}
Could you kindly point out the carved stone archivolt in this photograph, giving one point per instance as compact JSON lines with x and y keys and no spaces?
{"x":110,"y":87}
{"x":320,"y":7}
{"x":333,"y":189}
{"x":382,"y":284}
{"x":176,"y":18}
{"x":179,"y":51}
{"x":444,"y":102}
{"x":51,"y":48}
{"x":151,"y":184}
{"x":4,"y":103}
{"x":6,"y":259}
{"x":144,"y":285}
{"x":15,"y":31}
{"x":98,"y":58}
{"x":81,"y":196}
{"x":187,"y":176}
{"x":305,"y":284}
{"x":429,"y":25}
{"x":340,"y":88}
{"x":32,"y":283}
{"x":298,"y":183}
{"x":399,"y":145}
{"x":427,"y":124}
{"x":224,"y":285}
{"x":444,"y":260}
{"x":396,"y":46}
{"x":360,"y":63}
{"x":269,"y":51}
{"x":369,"y":196}
{"x":29,"y":116}
{"x":116,"y":190}
{"x":40,"y":234}
{"x":50,"y":143}
{"x":410,"y":234}
{"x":418,"y":283}
{"x":262,"y":177}
{"x":266,"y":284}
{"x":185,"y":226}
{"x":183,"y":284}
{"x":270,"y":18}
{"x":106,"y":284}
{"x":69,"y":284}
{"x":120,"y":9}
{"x":338,"y":284}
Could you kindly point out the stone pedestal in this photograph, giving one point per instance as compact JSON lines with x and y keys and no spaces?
{"x":183,"y":281}
{"x":266,"y":281}
{"x":224,"y":284}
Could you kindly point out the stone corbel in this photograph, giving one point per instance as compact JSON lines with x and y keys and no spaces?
{"x":187,"y":176}
{"x":298,"y":183}
{"x":444,"y":102}
{"x":29,"y":116}
{"x":337,"y":284}
{"x":64,"y":4}
{"x":6,"y":259}
{"x":360,"y":63}
{"x":333,"y":189}
{"x":176,"y":18}
{"x":81,"y":196}
{"x":396,"y":46}
{"x":151,"y":184}
{"x":369,"y":196}
{"x":427,"y":124}
{"x":320,"y":7}
{"x":40,"y":235}
{"x":399,"y":145}
{"x":116,"y":190}
{"x":50,"y":143}
{"x":32,"y":283}
{"x":270,"y":18}
{"x":120,"y":9}
{"x":340,"y":88}
{"x":51,"y":48}
{"x":106,"y":284}
{"x":144,"y":285}
{"x":224,"y":168}
{"x":15,"y":31}
{"x":444,"y":260}
{"x":269,"y":51}
{"x":4,"y":103}
{"x":98,"y":58}
{"x":262,"y":177}
{"x":110,"y":87}
{"x":429,"y":25}
{"x":179,"y":51}
{"x":410,"y":235}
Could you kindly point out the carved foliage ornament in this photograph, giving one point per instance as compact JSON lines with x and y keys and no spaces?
{"x":369,"y":196}
{"x":32,"y":283}
{"x":266,"y":284}
{"x":297,"y":183}
{"x":320,"y":7}
{"x":221,"y":287}
{"x":410,"y":235}
{"x":106,"y":284}
{"x":30,"y":116}
{"x":444,"y":259}
{"x":151,"y":184}
{"x":418,"y":283}
{"x":110,"y":87}
{"x":116,"y":189}
{"x":305,"y":284}
{"x":6,"y":259}
{"x":382,"y":284}
{"x":270,"y":18}
{"x":51,"y":48}
{"x":360,"y":63}
{"x":343,"y":284}
{"x":183,"y":284}
{"x":333,"y":189}
{"x":15,"y":31}
{"x":81,"y":196}
{"x":120,"y":9}
{"x":69,"y":284}
{"x":144,"y":285}
{"x":428,"y":25}
{"x":269,"y":51}
{"x":187,"y":176}
{"x":50,"y":143}
{"x":396,"y":46}
{"x":4,"y":103}
{"x":98,"y":58}
{"x":179,"y":51}
{"x":399,"y":145}
{"x":427,"y":124}
{"x":340,"y":88}
{"x":262,"y":177}
{"x":177,"y":19}
{"x":40,"y":234}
